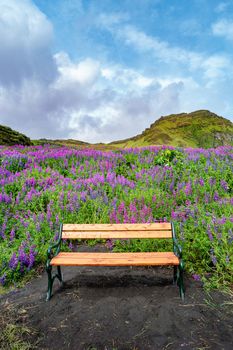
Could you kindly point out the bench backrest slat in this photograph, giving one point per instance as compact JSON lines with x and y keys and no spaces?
{"x":121,"y":231}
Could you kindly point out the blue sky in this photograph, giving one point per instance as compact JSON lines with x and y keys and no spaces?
{"x":100,"y":70}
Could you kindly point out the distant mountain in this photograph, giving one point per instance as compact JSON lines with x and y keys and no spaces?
{"x":11,"y":137}
{"x":197,"y":129}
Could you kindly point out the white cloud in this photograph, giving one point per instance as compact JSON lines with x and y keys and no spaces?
{"x":126,"y":79}
{"x":223,"y":28}
{"x":213,"y":66}
{"x":84,"y":102}
{"x":25,"y":37}
{"x":45,"y":95}
{"x":84,"y":72}
{"x":144,"y":42}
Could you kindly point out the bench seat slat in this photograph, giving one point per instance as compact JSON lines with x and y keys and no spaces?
{"x":118,"y":227}
{"x":115,"y":234}
{"x":115,"y":259}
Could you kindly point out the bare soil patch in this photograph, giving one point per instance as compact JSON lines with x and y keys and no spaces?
{"x":119,"y":308}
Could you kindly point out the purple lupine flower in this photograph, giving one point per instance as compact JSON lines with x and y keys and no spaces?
{"x":196,"y":277}
{"x":132,"y":208}
{"x":12,"y":235}
{"x":212,"y":181}
{"x":28,"y":236}
{"x":133,"y":220}
{"x":188,"y":189}
{"x":114,"y":202}
{"x":83,"y":196}
{"x":126,"y":217}
{"x":17,"y":199}
{"x":22,"y":256}
{"x":3,"y":279}
{"x":109,"y":243}
{"x":71,"y":246}
{"x":31,"y":257}
{"x":210,"y":233}
{"x":173,"y":215}
{"x":214,"y":260}
{"x":201,"y":182}
{"x":49,"y":214}
{"x":2,"y":231}
{"x":13,"y":263}
{"x":230,"y":234}
{"x":224,"y":185}
{"x":57,"y":220}
{"x":222,"y":221}
{"x":213,"y":257}
{"x":56,"y":235}
{"x":121,"y":208}
{"x":154,"y":198}
{"x":216,"y":196}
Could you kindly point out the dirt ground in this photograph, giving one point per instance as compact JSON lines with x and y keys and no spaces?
{"x":121,"y":308}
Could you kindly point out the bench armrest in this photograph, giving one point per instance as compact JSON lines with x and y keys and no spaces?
{"x":177,"y":249}
{"x":176,"y":246}
{"x":54,"y":249}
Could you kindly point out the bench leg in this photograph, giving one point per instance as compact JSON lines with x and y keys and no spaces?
{"x":59,"y":275}
{"x":50,"y":282}
{"x":51,"y":279}
{"x":180,"y":279}
{"x":175,"y":274}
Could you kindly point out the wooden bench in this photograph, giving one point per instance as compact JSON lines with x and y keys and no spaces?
{"x":115,"y":231}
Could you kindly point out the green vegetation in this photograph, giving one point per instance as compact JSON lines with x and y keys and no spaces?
{"x":66,"y":143}
{"x":45,"y":185}
{"x":14,"y":334}
{"x":197,"y":129}
{"x":11,"y":137}
{"x":201,"y":129}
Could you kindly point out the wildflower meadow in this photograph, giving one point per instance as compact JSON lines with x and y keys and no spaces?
{"x":41,"y":186}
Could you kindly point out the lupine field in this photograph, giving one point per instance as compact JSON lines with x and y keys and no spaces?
{"x":44,"y":185}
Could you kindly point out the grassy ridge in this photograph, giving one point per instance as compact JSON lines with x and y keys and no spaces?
{"x":11,"y":137}
{"x":197,"y":129}
{"x":61,"y":142}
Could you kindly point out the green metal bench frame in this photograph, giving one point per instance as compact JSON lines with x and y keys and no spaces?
{"x":53,"y":250}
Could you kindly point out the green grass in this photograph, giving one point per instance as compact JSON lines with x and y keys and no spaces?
{"x":197,"y":129}
{"x":14,"y":334}
{"x":11,"y":137}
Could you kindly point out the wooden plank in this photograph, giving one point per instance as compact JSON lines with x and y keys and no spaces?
{"x":110,"y":255}
{"x":118,"y":227}
{"x":115,"y":259}
{"x":115,"y":234}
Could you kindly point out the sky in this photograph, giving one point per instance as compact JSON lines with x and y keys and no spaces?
{"x":104,"y":70}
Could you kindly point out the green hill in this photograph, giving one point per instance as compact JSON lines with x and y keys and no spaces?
{"x":11,"y":137}
{"x":61,"y":142}
{"x":197,"y":129}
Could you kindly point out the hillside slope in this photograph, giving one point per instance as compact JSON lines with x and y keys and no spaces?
{"x":11,"y":137}
{"x":61,"y":142}
{"x":197,"y":129}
